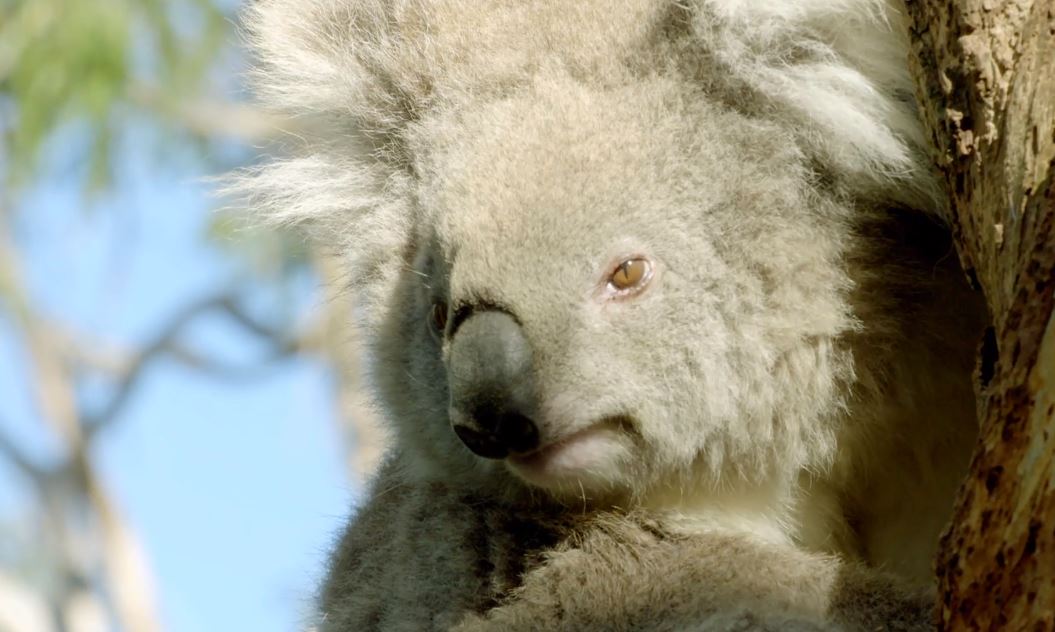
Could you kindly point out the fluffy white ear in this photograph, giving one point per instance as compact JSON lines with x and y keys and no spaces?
{"x":325,"y":58}
{"x":836,"y":69}
{"x":343,"y":182}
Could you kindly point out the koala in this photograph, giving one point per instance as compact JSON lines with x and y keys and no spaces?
{"x":660,"y":307}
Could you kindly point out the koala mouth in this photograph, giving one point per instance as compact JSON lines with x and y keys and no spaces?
{"x":593,"y":450}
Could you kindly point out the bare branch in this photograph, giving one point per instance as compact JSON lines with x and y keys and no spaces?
{"x":167,"y":343}
{"x":126,"y":569}
{"x":21,"y":608}
{"x":126,"y":564}
{"x":17,"y":457}
{"x":228,"y":370}
{"x":231,"y":308}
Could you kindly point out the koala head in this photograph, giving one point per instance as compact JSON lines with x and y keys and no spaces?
{"x":601,"y":243}
{"x":613,"y":288}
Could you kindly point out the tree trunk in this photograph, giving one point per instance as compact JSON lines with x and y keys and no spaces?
{"x":985,"y":76}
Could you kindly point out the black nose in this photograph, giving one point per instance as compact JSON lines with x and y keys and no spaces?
{"x":515,"y":431}
{"x":492,"y":386}
{"x":481,"y":443}
{"x":509,"y":432}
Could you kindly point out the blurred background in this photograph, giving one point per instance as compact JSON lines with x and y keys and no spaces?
{"x":181,"y":434}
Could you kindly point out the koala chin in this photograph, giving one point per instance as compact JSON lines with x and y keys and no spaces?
{"x":675,"y":267}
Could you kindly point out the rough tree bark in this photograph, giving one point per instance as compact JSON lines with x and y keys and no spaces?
{"x":985,"y":73}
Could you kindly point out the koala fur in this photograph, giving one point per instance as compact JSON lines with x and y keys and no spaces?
{"x":526,"y":568}
{"x":781,"y":405}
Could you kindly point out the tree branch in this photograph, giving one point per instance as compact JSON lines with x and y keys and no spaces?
{"x":167,"y":344}
{"x":125,"y":566}
{"x":14,"y":455}
{"x":986,"y":87}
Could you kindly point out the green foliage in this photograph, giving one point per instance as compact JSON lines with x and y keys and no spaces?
{"x":95,"y":65}
{"x":90,"y":62}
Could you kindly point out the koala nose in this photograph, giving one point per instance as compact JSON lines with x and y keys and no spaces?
{"x":512,"y":432}
{"x":492,"y":385}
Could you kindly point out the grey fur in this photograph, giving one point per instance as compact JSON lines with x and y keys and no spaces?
{"x":428,"y":557}
{"x":790,"y":389}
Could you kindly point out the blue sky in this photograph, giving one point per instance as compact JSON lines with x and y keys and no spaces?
{"x":236,"y":489}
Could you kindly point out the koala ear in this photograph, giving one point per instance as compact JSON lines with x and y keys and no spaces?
{"x":326,"y":58}
{"x":835,"y":73}
{"x":344,"y":180}
{"x":356,"y":208}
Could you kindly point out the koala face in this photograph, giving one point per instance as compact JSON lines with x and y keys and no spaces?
{"x":614,"y":290}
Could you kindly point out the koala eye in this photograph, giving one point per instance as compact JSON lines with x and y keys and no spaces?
{"x":630,"y":274}
{"x":438,"y":318}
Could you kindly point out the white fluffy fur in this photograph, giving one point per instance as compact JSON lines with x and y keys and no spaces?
{"x":840,"y":67}
{"x":798,"y":368}
{"x":834,"y":71}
